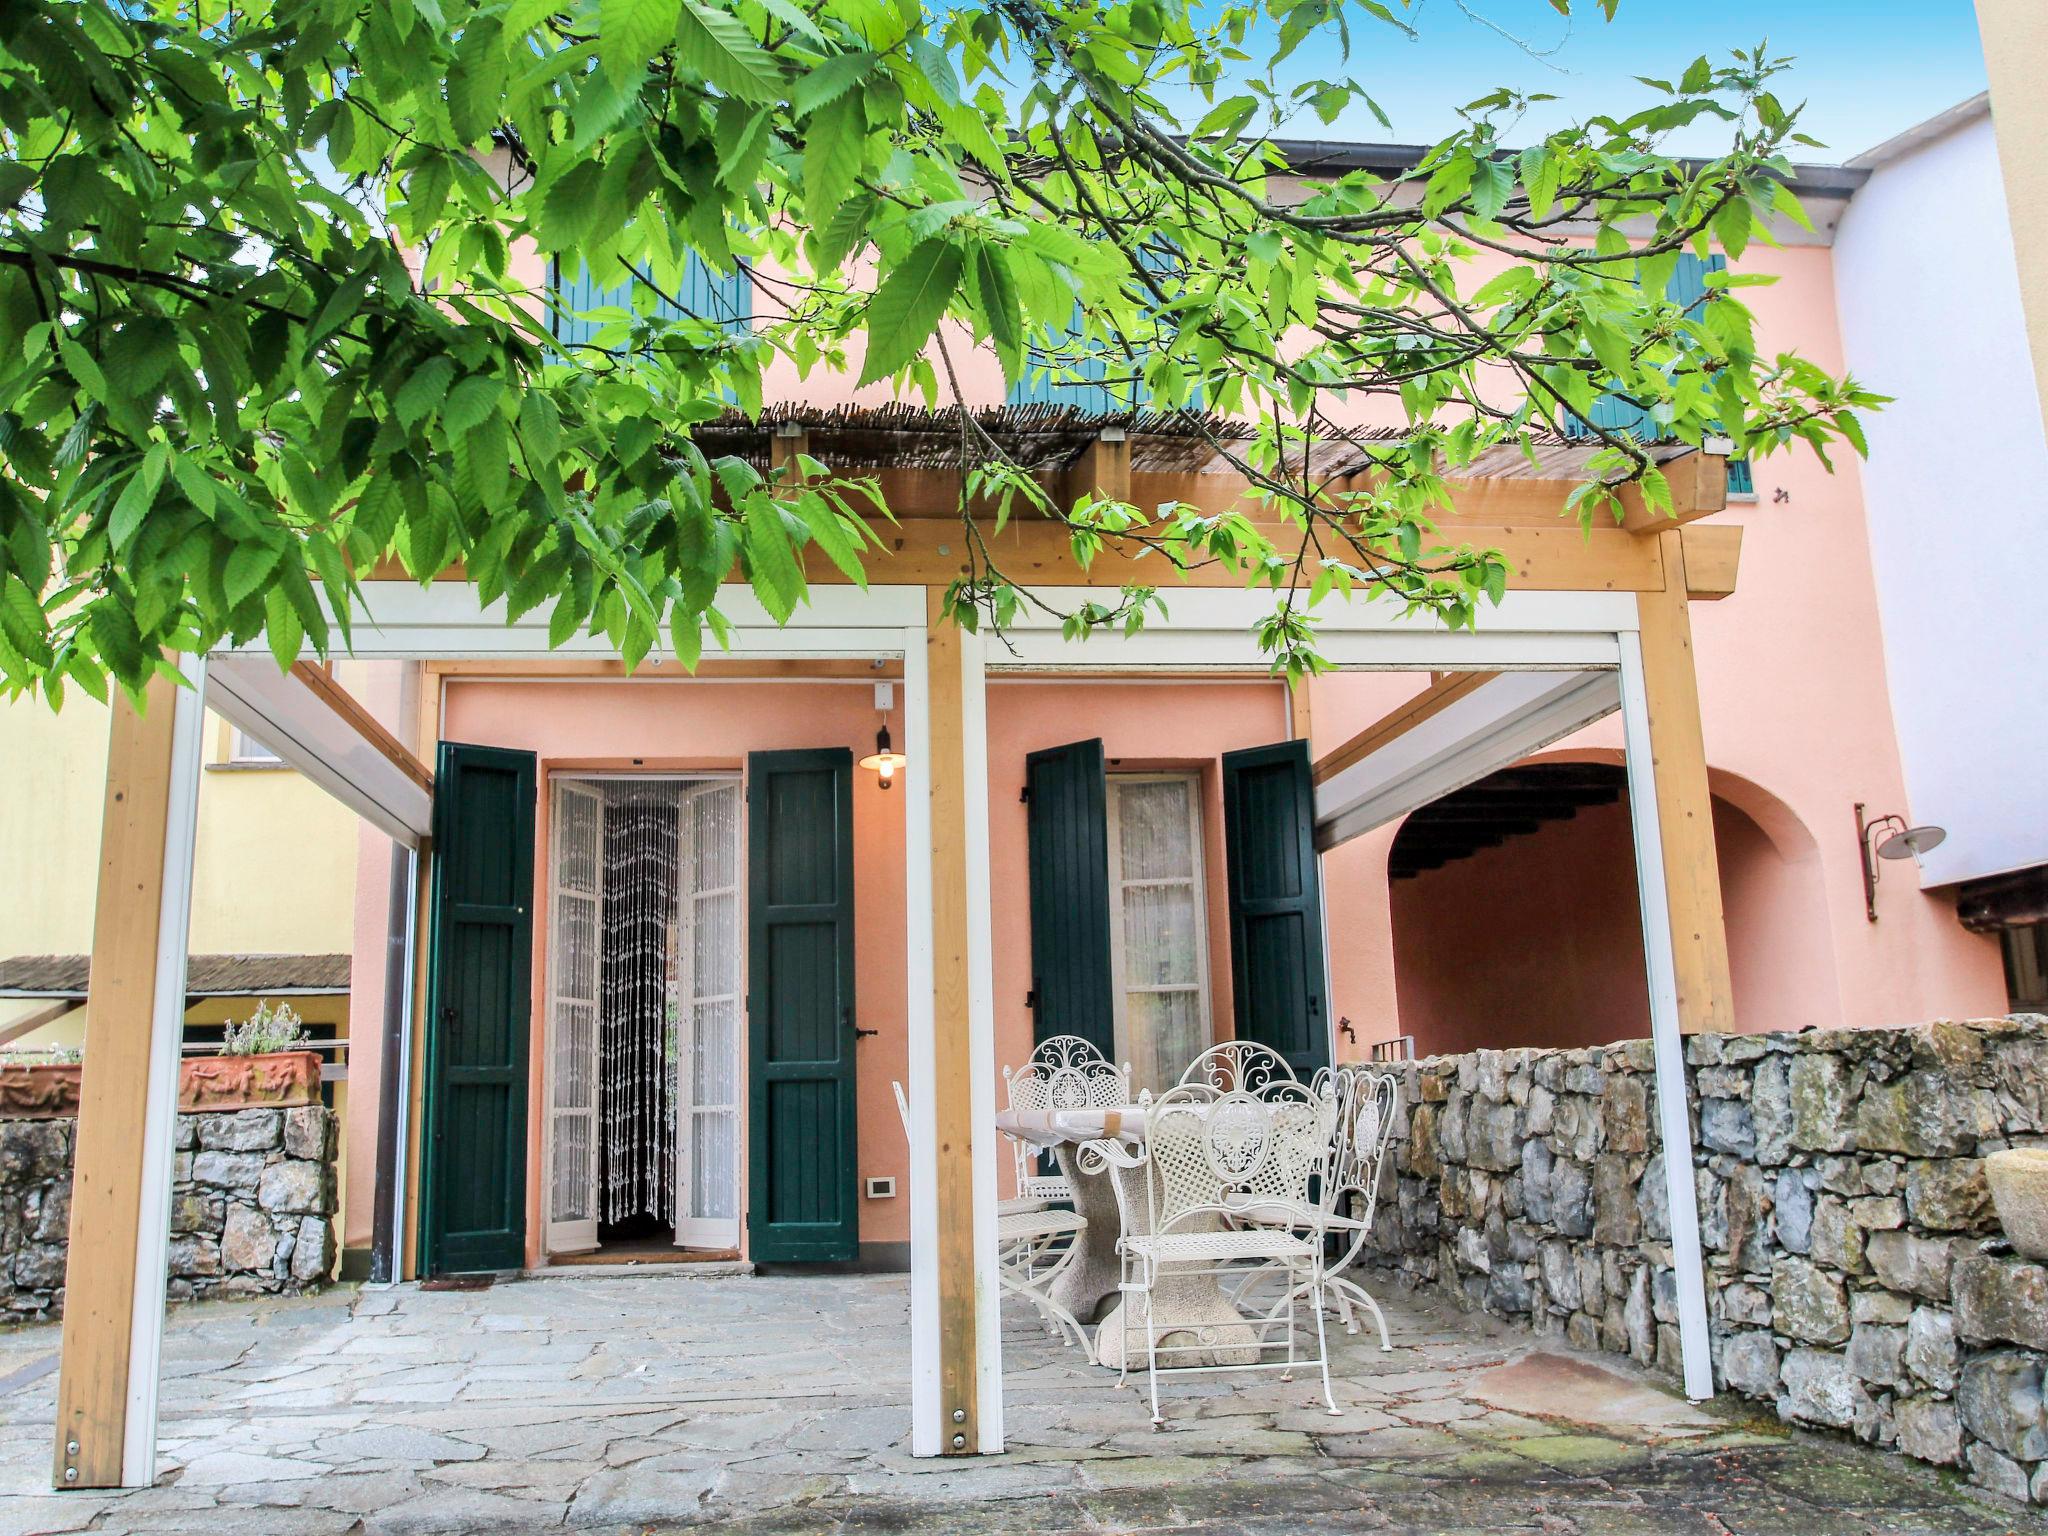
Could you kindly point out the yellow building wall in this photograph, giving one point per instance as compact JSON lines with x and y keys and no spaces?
{"x":274,"y":869}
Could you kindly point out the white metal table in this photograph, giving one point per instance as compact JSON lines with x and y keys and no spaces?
{"x":1195,"y":1302}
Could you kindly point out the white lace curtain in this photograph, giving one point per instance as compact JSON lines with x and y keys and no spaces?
{"x":636,"y":1016}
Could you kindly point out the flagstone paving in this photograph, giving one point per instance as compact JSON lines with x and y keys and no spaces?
{"x":614,"y":1402}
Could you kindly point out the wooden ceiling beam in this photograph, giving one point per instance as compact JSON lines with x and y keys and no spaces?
{"x":1431,"y":701}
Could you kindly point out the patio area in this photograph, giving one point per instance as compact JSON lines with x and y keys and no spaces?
{"x":595,"y":1401}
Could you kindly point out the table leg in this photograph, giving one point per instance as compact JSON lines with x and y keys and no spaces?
{"x":1092,"y":1277}
{"x":1188,"y":1309}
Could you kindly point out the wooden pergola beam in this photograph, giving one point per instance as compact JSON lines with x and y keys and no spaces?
{"x":1103,"y":470}
{"x":1432,"y":701}
{"x":321,"y":683}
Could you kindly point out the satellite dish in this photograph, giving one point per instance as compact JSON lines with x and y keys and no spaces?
{"x":1911,"y":843}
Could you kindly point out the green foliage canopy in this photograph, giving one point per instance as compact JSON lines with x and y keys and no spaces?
{"x":269,"y":310}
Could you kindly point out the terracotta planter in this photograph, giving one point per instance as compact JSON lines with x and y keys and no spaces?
{"x":38,"y":1093}
{"x":2019,"y":1188}
{"x":281,"y":1080}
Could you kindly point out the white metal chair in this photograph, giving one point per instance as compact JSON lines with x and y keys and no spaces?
{"x":1238,"y":1066}
{"x":1368,"y":1104}
{"x":1210,"y":1156}
{"x":1064,"y":1072}
{"x":1032,"y":1247}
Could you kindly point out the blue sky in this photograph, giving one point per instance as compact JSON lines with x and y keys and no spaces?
{"x":1865,"y":68}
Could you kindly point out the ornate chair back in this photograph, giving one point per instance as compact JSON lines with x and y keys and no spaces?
{"x":1064,"y":1072}
{"x":1238,"y":1066}
{"x":1367,"y":1104}
{"x":1214,"y":1153}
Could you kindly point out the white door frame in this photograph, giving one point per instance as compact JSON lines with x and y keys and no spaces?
{"x":566,"y":1237}
{"x":710,"y":1231}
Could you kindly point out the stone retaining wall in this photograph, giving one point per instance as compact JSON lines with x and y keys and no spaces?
{"x":1855,"y":1277}
{"x":252,"y":1211}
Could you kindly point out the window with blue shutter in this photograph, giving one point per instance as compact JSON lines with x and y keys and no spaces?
{"x":1098,"y":380}
{"x":1688,"y":289}
{"x":727,"y":301}
{"x":1078,"y":382}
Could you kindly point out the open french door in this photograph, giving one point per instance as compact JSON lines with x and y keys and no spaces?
{"x":707,"y":1015}
{"x":576,"y":918}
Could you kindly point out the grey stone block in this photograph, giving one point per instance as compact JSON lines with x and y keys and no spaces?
{"x":308,"y":1132}
{"x":1876,"y":1354}
{"x":227,"y":1170}
{"x":313,"y":1254}
{"x":1949,"y":1195}
{"x":1999,"y":1398}
{"x":1794,"y":1211}
{"x":2001,"y":1301}
{"x":1818,"y":1088}
{"x":242,"y":1130}
{"x":247,"y":1240}
{"x":1819,"y":1389}
{"x":1749,"y":1364}
{"x":1929,"y":1429}
{"x":1808,"y":1303}
{"x":294,"y":1187}
{"x":1726,"y":1126}
{"x":1903,"y":1262}
{"x":1931,"y":1352}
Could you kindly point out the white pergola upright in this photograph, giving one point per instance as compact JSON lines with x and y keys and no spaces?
{"x":1593,"y":623}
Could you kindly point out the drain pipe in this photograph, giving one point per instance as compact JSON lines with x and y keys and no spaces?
{"x":394,"y":1092}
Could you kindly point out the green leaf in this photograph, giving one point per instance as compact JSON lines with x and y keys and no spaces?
{"x":249,"y":567}
{"x":832,"y":535}
{"x":907,"y":307}
{"x":830,"y":80}
{"x":778,"y":578}
{"x":423,"y":391}
{"x":631,"y":32}
{"x":138,"y":496}
{"x":282,"y":626}
{"x":993,"y":293}
{"x":834,"y":148}
{"x":120,"y":643}
{"x":469,"y":403}
{"x":540,"y":429}
{"x":718,"y":46}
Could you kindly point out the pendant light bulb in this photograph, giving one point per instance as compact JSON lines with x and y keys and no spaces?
{"x":884,"y":760}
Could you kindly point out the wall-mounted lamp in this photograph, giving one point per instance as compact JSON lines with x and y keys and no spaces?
{"x":1888,"y":837}
{"x":885,"y":760}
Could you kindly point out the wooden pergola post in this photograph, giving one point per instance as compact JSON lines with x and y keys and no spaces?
{"x":1685,"y":808}
{"x":121,"y":1168}
{"x":954,"y":1321}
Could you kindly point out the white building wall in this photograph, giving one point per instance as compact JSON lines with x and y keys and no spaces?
{"x":1956,"y":490}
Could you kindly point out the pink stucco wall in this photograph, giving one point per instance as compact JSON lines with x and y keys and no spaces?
{"x":1539,"y":941}
{"x":1143,"y":726}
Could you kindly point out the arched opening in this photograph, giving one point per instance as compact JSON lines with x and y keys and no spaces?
{"x":1516,"y":918}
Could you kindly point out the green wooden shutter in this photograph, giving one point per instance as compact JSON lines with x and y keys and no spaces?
{"x":1276,"y":903}
{"x":1072,"y":992}
{"x":479,"y":973}
{"x":802,"y":1200}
